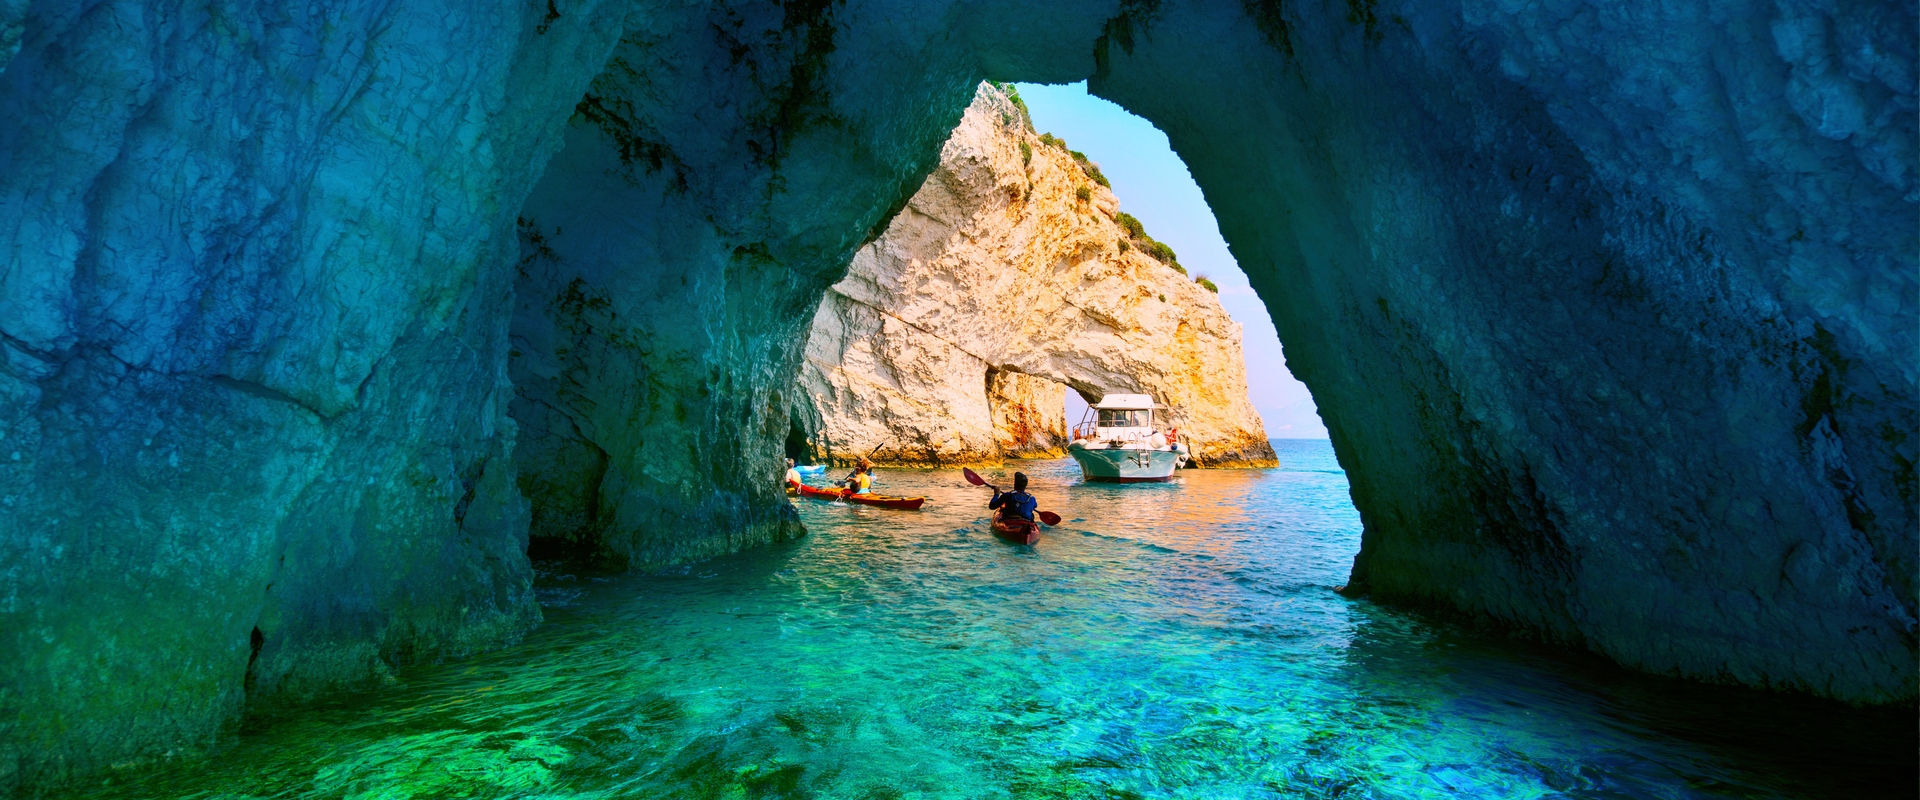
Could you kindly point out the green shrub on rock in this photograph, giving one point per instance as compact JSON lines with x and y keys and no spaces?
{"x":1013,"y":94}
{"x":1137,"y":234}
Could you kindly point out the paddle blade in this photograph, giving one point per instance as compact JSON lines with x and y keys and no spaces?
{"x":973,"y":477}
{"x":1049,"y":517}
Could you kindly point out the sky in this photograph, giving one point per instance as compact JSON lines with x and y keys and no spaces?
{"x":1154,"y":185}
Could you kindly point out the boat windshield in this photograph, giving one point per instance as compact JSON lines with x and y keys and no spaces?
{"x":1125,"y":418}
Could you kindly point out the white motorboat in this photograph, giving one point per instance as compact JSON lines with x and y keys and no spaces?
{"x":1128,"y":438}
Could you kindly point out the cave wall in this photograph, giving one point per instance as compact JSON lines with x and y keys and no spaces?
{"x":998,"y":265}
{"x":1609,"y":309}
{"x":253,"y":429}
{"x":260,"y":272}
{"x":717,"y":178}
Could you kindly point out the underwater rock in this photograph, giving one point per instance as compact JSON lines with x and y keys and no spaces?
{"x":1013,"y":259}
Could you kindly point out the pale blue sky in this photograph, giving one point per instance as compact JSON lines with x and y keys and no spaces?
{"x":1154,"y":185}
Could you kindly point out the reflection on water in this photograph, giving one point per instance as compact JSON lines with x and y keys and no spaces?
{"x":1166,"y":641}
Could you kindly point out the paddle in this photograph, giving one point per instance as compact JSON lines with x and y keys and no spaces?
{"x":974,"y":478}
{"x":876,"y":449}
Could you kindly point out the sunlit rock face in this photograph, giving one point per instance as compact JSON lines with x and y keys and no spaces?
{"x":1029,"y":415}
{"x":997,"y":267}
{"x":1608,"y":306}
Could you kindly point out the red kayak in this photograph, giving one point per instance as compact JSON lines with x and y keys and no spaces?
{"x":1016,"y":530}
{"x":869,"y":499}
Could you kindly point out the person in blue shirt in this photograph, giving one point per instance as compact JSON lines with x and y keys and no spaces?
{"x":1017,"y":502}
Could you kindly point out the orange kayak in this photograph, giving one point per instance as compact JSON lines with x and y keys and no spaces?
{"x":869,"y":499}
{"x":1016,"y":530}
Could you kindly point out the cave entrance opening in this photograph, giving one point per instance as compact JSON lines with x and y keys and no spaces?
{"x":1170,"y":217}
{"x":799,"y":446}
{"x":1011,"y":273}
{"x":618,"y":366}
{"x":1076,"y":405}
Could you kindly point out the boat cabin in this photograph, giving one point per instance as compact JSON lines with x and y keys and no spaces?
{"x":1123,"y":417}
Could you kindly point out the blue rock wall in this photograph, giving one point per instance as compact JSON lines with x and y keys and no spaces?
{"x":260,"y":269}
{"x":254,"y":440}
{"x":1609,"y":308}
{"x":671,"y":256}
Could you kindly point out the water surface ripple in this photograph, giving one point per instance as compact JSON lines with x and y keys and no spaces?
{"x":1170,"y":641}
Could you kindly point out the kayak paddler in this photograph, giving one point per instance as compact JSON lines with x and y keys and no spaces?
{"x":1016,"y":503}
{"x":793,"y":475}
{"x":861,"y":481}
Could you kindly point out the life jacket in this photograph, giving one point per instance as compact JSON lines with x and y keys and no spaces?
{"x":1016,"y":505}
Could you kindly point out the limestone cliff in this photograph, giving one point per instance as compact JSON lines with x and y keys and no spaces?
{"x":1008,"y":277}
{"x":1029,"y":415}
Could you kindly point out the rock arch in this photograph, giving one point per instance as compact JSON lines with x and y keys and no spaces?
{"x":997,"y":263}
{"x":1608,"y":307}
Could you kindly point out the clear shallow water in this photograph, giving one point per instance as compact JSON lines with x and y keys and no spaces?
{"x":1166,"y":641}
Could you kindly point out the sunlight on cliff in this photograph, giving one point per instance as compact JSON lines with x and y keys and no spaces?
{"x":1016,"y":263}
{"x":1153,"y":184}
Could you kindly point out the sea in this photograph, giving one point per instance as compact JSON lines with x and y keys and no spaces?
{"x":1179,"y":640}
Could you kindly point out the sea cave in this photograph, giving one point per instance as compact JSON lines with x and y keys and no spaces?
{"x":315,"y":321}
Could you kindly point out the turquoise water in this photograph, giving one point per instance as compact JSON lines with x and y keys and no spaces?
{"x":1172,"y":640}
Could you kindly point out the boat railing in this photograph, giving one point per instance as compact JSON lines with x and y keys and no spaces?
{"x":1090,"y":428}
{"x":1094,"y":433}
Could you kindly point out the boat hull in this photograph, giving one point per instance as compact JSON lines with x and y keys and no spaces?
{"x":878,"y":500}
{"x":1018,"y":531}
{"x":818,"y":470}
{"x":1125,"y":466}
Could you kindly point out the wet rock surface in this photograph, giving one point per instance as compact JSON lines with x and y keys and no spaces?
{"x":1554,"y":287}
{"x":1608,"y":308}
{"x":1007,"y":278}
{"x":253,"y":388}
